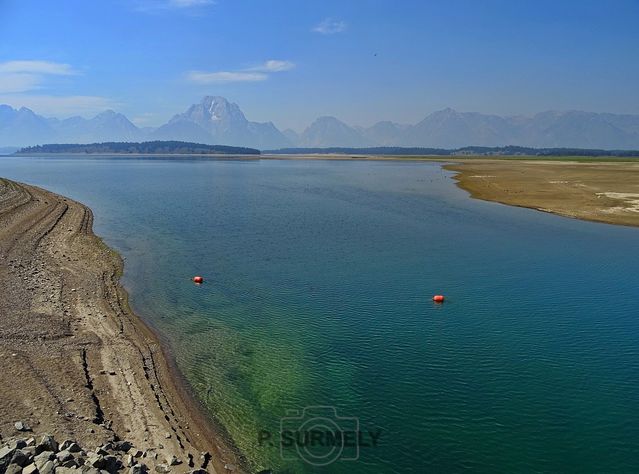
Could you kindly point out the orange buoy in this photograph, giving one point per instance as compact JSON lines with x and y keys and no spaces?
{"x":198,"y":279}
{"x":438,"y":298}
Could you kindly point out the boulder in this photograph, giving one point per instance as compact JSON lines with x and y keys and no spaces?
{"x":90,"y":470}
{"x":138,"y":469}
{"x":96,"y":460}
{"x":29,"y":451}
{"x":42,"y":458}
{"x":107,"y":446}
{"x":21,"y":426}
{"x":18,"y":444}
{"x":13,"y":469}
{"x":67,"y":470}
{"x":30,"y":469}
{"x":123,"y":446}
{"x":47,"y":468}
{"x":162,"y":468}
{"x":113,"y":464}
{"x":70,"y":446}
{"x":74,"y":448}
{"x":205,"y":458}
{"x":6,"y":454}
{"x":20,"y":458}
{"x":64,"y":456}
{"x":103,"y":452}
{"x":69,"y":463}
{"x":47,"y":443}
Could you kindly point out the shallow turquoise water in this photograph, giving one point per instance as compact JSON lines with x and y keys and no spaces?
{"x":319,"y":278}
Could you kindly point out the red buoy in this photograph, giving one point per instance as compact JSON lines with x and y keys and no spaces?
{"x":438,"y":298}
{"x":198,"y":279}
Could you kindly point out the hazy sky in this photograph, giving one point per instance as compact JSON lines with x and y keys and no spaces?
{"x":292,"y":61}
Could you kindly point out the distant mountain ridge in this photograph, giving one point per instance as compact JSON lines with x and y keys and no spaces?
{"x":23,"y":127}
{"x":216,"y":121}
{"x":464,"y":151}
{"x":451,"y":129}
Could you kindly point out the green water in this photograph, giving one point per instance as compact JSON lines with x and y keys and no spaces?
{"x":318,"y":284}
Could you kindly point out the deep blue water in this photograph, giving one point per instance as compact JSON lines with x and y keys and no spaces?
{"x":319,"y":277}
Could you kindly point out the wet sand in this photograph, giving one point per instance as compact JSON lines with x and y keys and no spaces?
{"x":75,"y":361}
{"x":594,"y":191}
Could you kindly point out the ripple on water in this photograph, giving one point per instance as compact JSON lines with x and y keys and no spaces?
{"x":319,"y":279}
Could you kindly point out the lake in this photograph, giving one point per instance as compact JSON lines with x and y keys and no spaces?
{"x":318,"y":284}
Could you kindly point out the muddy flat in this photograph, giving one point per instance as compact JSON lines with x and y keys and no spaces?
{"x":594,"y":191}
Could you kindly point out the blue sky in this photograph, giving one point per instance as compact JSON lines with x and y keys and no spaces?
{"x":292,"y":61}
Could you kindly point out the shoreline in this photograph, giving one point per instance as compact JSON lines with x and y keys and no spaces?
{"x":94,"y":371}
{"x":599,"y":192}
{"x":346,"y":157}
{"x":81,"y":364}
{"x":218,"y":440}
{"x":595,"y":189}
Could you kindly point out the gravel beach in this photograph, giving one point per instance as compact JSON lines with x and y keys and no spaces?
{"x":76,"y":363}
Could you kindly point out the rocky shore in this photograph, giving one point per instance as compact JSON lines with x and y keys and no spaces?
{"x":77,"y":364}
{"x":47,"y":456}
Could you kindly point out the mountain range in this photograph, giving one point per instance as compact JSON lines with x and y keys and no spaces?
{"x":216,"y":121}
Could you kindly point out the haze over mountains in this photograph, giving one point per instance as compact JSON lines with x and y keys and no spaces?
{"x":217,"y":121}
